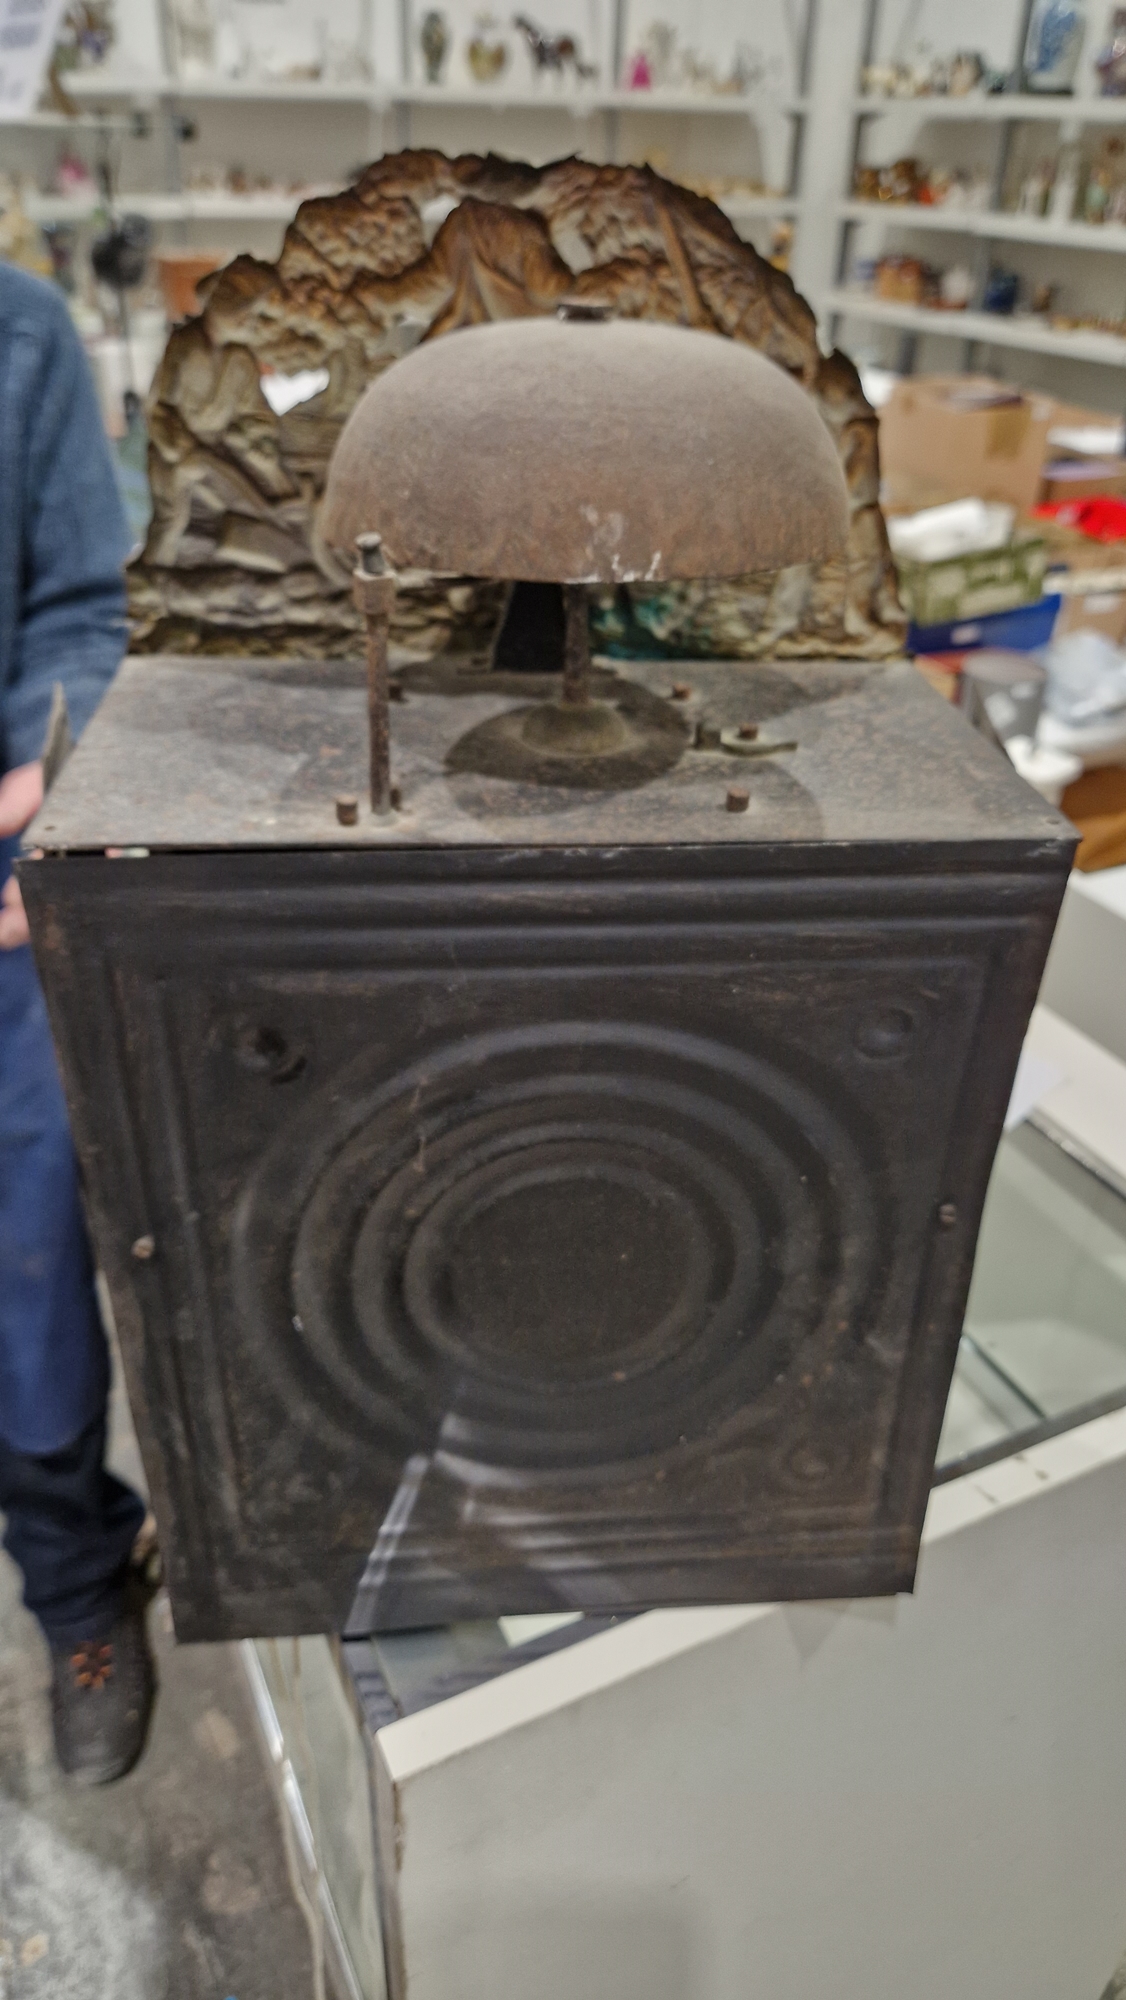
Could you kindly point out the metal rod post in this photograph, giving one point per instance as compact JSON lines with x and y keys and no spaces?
{"x":373,"y":591}
{"x":576,"y":645}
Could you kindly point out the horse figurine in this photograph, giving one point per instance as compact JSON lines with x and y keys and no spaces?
{"x":552,"y":52}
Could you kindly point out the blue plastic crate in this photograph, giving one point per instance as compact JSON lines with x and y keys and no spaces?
{"x":1020,"y":631}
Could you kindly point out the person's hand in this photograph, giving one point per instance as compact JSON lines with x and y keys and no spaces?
{"x":21,"y":795}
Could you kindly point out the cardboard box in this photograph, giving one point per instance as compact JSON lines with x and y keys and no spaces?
{"x":1095,"y":611}
{"x":972,"y":586}
{"x":1083,"y":479}
{"x":945,"y":437}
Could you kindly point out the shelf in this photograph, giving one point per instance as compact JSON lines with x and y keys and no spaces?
{"x":58,"y":121}
{"x":579,"y":103}
{"x":750,"y":207}
{"x":217,"y":207}
{"x":992,"y":227}
{"x":993,"y":329}
{"x":96,"y":84}
{"x":1007,"y":108}
{"x":222,"y":207}
{"x":582,"y":102}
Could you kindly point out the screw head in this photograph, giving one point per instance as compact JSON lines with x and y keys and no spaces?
{"x":737,"y":799}
{"x":748,"y":731}
{"x":348,"y":811}
{"x":143,"y":1249}
{"x":681,"y":691}
{"x":947,"y":1215}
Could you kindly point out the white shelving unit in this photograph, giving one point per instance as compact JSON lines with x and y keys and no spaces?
{"x":1026,"y":332}
{"x":987,"y":129}
{"x":165,"y":131}
{"x":989,"y":226}
{"x":1007,"y":108}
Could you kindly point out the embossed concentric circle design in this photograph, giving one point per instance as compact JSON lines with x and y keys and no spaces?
{"x":550,"y":1248}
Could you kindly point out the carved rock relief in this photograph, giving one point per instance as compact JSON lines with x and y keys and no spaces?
{"x":234,"y":560}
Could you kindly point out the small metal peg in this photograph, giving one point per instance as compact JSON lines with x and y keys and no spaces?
{"x":737,"y":799}
{"x":748,"y":732}
{"x":348,"y":811}
{"x":373,"y":562}
{"x":143,"y":1249}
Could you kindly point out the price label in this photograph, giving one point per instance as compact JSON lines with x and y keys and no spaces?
{"x":28,"y":29}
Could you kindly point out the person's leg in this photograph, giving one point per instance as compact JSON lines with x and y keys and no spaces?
{"x":70,"y":1525}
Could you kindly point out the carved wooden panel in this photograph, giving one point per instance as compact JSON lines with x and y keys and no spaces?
{"x":234,"y":560}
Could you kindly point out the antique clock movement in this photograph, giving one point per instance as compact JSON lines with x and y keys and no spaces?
{"x":535,"y":1126}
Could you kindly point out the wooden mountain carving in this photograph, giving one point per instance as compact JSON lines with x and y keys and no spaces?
{"x":234,"y":560}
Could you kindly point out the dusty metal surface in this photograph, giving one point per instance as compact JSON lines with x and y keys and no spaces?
{"x":539,"y":1198}
{"x":558,"y":450}
{"x":218,"y":754}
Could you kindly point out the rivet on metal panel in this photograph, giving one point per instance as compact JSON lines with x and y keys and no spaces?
{"x":143,"y":1249}
{"x":737,"y":799}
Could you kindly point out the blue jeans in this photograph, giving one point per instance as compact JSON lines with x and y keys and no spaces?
{"x":70,"y":1524}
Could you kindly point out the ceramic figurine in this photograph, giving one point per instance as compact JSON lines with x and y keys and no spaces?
{"x":1035,"y":189}
{"x":487,"y":55}
{"x":434,"y":41}
{"x":1055,"y":43}
{"x":552,"y":52}
{"x":86,"y":35}
{"x":192,"y":25}
{"x":1110,"y":63}
{"x":1065,"y":187}
{"x":966,"y":72}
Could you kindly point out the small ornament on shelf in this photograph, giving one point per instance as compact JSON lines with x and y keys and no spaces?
{"x":926,"y":75}
{"x":550,"y":54}
{"x":1055,"y":43}
{"x":86,"y":35}
{"x":1065,"y":186}
{"x":660,"y":62}
{"x":1110,"y":63}
{"x":191,"y":28}
{"x":956,"y":288}
{"x":1105,"y":194}
{"x":434,"y":41}
{"x":487,"y":53}
{"x":1002,"y":289}
{"x":1035,"y":189}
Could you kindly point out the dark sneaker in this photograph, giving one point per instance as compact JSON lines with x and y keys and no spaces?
{"x":102,"y":1693}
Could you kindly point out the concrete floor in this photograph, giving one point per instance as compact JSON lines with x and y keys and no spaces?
{"x":171,"y":1885}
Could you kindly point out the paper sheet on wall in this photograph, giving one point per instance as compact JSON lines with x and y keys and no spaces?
{"x":28,"y":30}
